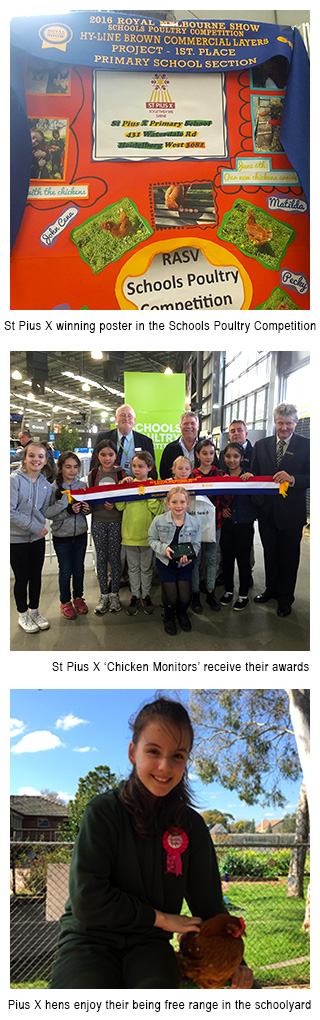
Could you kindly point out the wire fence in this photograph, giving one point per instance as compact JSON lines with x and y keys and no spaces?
{"x":255,"y":887}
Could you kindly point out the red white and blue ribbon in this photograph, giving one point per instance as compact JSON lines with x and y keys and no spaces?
{"x":218,"y":486}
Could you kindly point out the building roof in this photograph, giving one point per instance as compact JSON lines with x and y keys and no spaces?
{"x":264,"y":825}
{"x":42,"y":806}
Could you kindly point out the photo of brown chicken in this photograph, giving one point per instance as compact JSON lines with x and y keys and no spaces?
{"x":256,"y":233}
{"x":121,"y":229}
{"x":210,"y":957}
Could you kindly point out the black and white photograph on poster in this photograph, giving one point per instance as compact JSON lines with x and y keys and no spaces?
{"x":45,"y":79}
{"x":185,"y":856}
{"x":142,"y":519}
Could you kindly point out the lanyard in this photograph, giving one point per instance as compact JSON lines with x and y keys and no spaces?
{"x":121,"y":447}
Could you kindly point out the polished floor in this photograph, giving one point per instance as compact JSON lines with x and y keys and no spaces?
{"x":257,"y":628}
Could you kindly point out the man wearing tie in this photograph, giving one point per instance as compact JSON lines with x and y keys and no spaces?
{"x":286,"y":456}
{"x":127,"y":440}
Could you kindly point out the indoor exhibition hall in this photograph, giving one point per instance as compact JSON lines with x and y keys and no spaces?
{"x":96,"y":574}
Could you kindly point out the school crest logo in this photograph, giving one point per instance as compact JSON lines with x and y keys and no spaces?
{"x":160,"y":98}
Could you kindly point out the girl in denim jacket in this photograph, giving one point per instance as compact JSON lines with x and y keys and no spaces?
{"x":167,"y":530}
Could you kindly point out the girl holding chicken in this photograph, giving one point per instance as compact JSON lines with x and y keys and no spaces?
{"x":141,"y":849}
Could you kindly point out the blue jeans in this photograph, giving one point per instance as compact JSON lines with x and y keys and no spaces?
{"x":211,"y":549}
{"x":71,"y":553}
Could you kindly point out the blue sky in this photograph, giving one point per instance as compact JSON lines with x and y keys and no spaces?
{"x":59,"y":735}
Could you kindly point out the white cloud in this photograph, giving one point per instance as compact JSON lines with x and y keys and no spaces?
{"x":39,"y":740}
{"x":82,"y":750}
{"x":29,"y":791}
{"x":16,"y":728}
{"x":67,"y":722}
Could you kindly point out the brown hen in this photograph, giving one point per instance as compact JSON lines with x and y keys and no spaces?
{"x":120,"y":229}
{"x":256,"y":233}
{"x":209,"y":957}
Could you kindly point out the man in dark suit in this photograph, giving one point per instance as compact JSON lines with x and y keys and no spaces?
{"x":281,"y":520}
{"x":127,"y":441}
{"x":238,"y":433}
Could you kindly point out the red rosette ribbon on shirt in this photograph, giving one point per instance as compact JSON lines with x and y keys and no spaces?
{"x":175,"y":841}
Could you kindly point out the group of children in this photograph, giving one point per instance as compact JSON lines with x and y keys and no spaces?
{"x":136,"y":531}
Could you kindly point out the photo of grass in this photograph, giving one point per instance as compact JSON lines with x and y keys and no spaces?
{"x":256,"y":234}
{"x":279,"y":300}
{"x":104,"y":238}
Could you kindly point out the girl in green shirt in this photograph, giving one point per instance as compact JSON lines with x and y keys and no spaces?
{"x":136,"y":520}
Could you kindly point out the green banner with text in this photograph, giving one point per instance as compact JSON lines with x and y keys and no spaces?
{"x":159,"y":402}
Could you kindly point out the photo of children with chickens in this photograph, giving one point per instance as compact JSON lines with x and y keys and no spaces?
{"x":48,"y":141}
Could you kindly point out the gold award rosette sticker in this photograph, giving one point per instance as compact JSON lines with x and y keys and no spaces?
{"x":281,"y":38}
{"x":189,"y":274}
{"x":55,"y":36}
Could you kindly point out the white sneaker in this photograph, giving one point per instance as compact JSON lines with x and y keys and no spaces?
{"x":102,"y":605}
{"x":27,"y":624}
{"x":39,"y":620}
{"x":115,"y":604}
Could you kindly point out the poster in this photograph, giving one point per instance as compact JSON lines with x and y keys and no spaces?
{"x":159,"y":167}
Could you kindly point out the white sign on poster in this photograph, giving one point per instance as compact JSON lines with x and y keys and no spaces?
{"x":145,"y":116}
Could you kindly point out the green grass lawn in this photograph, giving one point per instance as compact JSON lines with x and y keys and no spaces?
{"x":274,"y":935}
{"x":32,"y":984}
{"x":273,"y":931}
